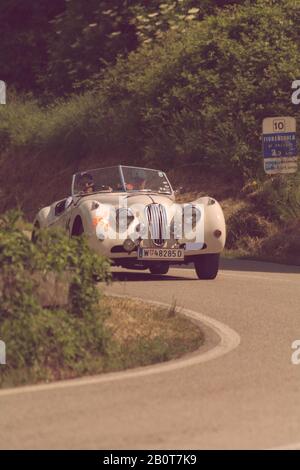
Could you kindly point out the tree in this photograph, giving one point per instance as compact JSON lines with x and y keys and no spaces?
{"x":87,"y":37}
{"x":159,"y":16}
{"x":62,"y":45}
{"x":23,"y":41}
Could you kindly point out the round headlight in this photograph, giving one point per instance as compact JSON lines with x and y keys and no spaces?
{"x":191,"y":216}
{"x":124,"y":217}
{"x":141,"y":230}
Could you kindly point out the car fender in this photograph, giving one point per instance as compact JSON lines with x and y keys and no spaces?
{"x":214,"y":219}
{"x":83,"y":210}
{"x":42,"y":218}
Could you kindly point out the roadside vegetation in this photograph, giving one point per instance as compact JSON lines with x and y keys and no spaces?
{"x":143,"y":334}
{"x":187,"y":85}
{"x":197,"y":96}
{"x":266,"y":225}
{"x":45,"y":339}
{"x":262,"y":216}
{"x":57,"y":324}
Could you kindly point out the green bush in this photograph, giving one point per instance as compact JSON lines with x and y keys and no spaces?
{"x":277,"y":198}
{"x":49,"y":341}
{"x":284,"y":244}
{"x":201,"y":95}
{"x":244,"y":224}
{"x":197,"y":96}
{"x":20,"y":124}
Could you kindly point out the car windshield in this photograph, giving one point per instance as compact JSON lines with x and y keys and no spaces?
{"x":144,"y":179}
{"x":120,"y":179}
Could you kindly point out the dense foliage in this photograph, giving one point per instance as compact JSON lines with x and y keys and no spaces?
{"x":52,"y":48}
{"x":24,"y":32}
{"x":48,"y":339}
{"x":198,"y":96}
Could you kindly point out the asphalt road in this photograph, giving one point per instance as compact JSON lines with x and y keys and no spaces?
{"x":246,"y":396}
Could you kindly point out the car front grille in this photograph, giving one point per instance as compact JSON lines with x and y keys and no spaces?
{"x":158,"y":224}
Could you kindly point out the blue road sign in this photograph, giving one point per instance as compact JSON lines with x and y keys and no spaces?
{"x":280,"y":145}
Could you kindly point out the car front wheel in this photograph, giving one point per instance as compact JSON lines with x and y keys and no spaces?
{"x":77,"y":229}
{"x":159,"y":269}
{"x":34,"y":234}
{"x":207,"y":266}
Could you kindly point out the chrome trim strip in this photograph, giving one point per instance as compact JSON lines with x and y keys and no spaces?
{"x":157,"y":219}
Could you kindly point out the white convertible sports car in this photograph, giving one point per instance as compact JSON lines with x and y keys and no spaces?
{"x":129,"y":214}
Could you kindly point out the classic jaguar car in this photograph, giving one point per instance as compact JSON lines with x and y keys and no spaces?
{"x":130,"y":215}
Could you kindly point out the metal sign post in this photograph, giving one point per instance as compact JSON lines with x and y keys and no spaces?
{"x":279,"y":145}
{"x":2,"y":92}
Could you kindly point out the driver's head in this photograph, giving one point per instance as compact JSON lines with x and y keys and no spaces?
{"x":139,"y":182}
{"x":87,"y":183}
{"x":136,"y":183}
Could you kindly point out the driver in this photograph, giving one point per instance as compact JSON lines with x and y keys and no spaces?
{"x":137,"y":183}
{"x":87,"y":183}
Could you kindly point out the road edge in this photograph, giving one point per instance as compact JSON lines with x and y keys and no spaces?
{"x":229,"y":340}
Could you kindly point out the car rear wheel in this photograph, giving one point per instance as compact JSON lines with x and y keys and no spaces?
{"x":207,"y":266}
{"x":159,"y":269}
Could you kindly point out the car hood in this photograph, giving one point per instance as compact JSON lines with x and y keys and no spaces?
{"x":129,"y":199}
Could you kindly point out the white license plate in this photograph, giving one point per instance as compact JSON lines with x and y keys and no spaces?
{"x":161,"y":253}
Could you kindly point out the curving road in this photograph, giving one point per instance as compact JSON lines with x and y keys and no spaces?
{"x":239,"y":395}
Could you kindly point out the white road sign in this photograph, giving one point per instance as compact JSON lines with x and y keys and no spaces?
{"x":2,"y":92}
{"x":279,"y":145}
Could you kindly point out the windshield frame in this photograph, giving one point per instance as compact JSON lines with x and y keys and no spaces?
{"x":122,"y":182}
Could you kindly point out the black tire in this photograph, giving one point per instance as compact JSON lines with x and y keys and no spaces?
{"x":207,"y":266}
{"x":77,"y":229}
{"x":159,"y":268}
{"x":34,"y":234}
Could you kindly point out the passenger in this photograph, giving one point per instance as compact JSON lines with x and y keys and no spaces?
{"x":87,"y":183}
{"x":138,"y":183}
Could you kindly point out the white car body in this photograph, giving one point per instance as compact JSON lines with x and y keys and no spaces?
{"x":148,"y":214}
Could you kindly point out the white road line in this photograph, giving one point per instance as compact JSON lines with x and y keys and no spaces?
{"x":246,"y":275}
{"x":229,"y":340}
